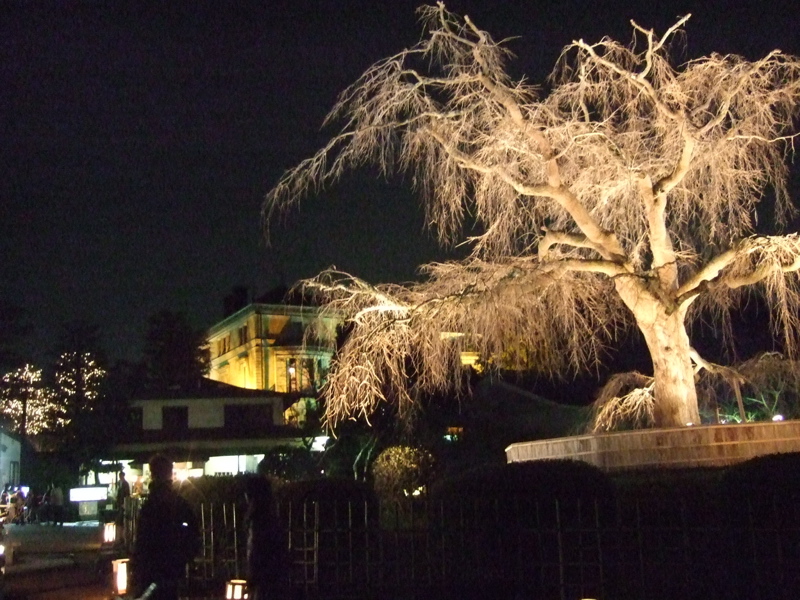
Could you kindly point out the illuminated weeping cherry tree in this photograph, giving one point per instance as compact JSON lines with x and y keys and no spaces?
{"x":626,"y":196}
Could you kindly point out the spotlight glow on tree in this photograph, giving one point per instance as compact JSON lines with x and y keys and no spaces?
{"x":624,"y":196}
{"x":30,"y":406}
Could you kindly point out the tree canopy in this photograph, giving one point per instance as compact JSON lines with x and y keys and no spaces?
{"x":622,"y":194}
{"x":29,"y":404}
{"x":176,"y":356}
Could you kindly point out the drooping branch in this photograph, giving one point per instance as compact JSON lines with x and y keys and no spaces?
{"x":405,"y":340}
{"x":759,"y":275}
{"x":603,"y":241}
{"x":625,"y":401}
{"x":628,"y":175}
{"x":654,"y":46}
{"x":638,"y":80}
{"x":767,"y":264}
{"x":730,"y":376}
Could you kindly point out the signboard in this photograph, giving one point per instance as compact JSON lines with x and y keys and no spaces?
{"x":88,"y":494}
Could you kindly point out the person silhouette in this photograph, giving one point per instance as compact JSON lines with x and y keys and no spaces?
{"x":265,"y":542}
{"x":167,"y":537}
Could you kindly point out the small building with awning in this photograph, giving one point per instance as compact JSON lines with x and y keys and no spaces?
{"x":214,"y":429}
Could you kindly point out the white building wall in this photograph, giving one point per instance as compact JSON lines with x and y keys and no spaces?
{"x":9,"y":459}
{"x":152,"y":417}
{"x":205,"y":414}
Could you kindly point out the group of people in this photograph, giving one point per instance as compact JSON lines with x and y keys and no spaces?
{"x":21,"y":508}
{"x":168,"y":538}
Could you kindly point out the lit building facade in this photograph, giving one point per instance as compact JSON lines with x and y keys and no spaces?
{"x":265,"y":372}
{"x":215,"y":429}
{"x":270,"y":347}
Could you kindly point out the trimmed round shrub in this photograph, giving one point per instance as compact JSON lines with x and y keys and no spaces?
{"x":213,"y":490}
{"x":763,"y":476}
{"x":402,"y":471}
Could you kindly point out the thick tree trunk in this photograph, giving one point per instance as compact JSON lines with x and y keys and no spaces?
{"x":665,"y":333}
{"x":675,"y":392}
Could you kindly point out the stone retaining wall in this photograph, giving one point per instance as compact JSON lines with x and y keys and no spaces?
{"x":697,"y":446}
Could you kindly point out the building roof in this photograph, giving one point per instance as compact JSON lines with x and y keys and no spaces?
{"x":263,"y":309}
{"x":200,"y":448}
{"x":205,"y":388}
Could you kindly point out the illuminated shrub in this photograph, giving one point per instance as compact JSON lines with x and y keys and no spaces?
{"x":402,"y":471}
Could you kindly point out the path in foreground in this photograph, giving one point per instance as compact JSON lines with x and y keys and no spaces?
{"x":55,"y":563}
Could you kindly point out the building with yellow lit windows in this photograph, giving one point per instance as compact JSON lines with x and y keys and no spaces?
{"x":263,"y":382}
{"x":270,"y":347}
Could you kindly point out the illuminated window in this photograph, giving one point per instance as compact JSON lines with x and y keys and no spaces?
{"x":453,"y":434}
{"x":307,"y":374}
{"x":243,"y":337}
{"x":291,"y":375}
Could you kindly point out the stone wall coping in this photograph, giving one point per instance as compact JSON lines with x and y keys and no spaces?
{"x":696,"y":445}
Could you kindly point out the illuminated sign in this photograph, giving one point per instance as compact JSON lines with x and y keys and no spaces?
{"x":88,"y":494}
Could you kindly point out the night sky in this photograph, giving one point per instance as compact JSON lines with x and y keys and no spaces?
{"x":138,"y":140}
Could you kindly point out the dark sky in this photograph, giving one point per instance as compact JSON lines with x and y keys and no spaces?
{"x":137,"y":141}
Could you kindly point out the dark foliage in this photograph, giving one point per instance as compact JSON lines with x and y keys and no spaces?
{"x":760,"y":501}
{"x":327,"y":490}
{"x":175,"y":354}
{"x":542,"y":480}
{"x":289,"y":463}
{"x":214,"y":490}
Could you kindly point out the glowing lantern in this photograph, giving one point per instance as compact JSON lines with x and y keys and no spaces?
{"x":120,"y":575}
{"x":109,"y":533}
{"x":236,"y":589}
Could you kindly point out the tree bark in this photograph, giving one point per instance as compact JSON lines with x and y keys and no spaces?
{"x":674,"y":389}
{"x":664,"y":331}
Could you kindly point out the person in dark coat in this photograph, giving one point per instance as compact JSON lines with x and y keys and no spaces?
{"x":167,"y":538}
{"x":265,"y":542}
{"x":56,"y":496}
{"x":123,"y":493}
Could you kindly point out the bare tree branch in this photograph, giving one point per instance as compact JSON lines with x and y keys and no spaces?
{"x":626,"y":195}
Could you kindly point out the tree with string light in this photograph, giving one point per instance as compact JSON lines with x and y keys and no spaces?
{"x":78,"y":380}
{"x":29,"y":405}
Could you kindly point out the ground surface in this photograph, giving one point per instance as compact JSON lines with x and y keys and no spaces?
{"x":45,"y":562}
